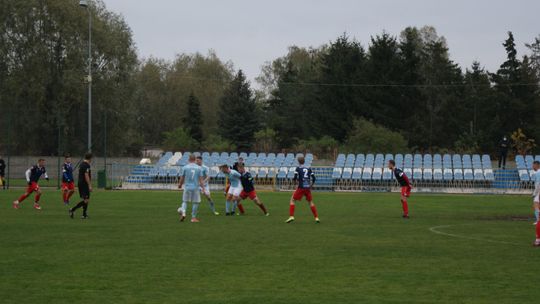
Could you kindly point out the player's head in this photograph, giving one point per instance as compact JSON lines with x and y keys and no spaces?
{"x":41,"y":162}
{"x":536,"y":165}
{"x":241,"y":168}
{"x":199,"y":160}
{"x":88,"y":157}
{"x":192,"y":158}
{"x":67,"y":159}
{"x":241,"y":160}
{"x":301,"y":160}
{"x":391,"y":164}
{"x":225,"y":168}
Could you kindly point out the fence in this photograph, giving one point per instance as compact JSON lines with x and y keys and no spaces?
{"x":140,"y":178}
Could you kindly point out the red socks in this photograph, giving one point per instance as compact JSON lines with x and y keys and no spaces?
{"x":241,"y":208}
{"x":263,"y":208}
{"x":291,"y":210}
{"x":314,"y":211}
{"x":22,"y":198}
{"x":38,"y":196}
{"x":64,"y":196}
{"x":405,"y":207}
{"x":538,"y":230}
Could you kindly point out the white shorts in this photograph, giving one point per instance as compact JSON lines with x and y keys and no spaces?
{"x":235,"y":191}
{"x":192,"y":196}
{"x":536,"y":199}
{"x":206,"y":189}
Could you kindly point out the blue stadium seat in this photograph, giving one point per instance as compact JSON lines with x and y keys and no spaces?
{"x":448,"y":174}
{"x":467,"y":162}
{"x":377,"y":173}
{"x":357,"y":174}
{"x":347,"y":173}
{"x":369,"y":162}
{"x":529,"y":159}
{"x":458,"y":174}
{"x":399,"y":160}
{"x":428,"y":175}
{"x":387,"y":174}
{"x":438,"y":174}
{"x":417,"y":161}
{"x":524,"y":175}
{"x":336,"y":174}
{"x":360,"y":159}
{"x":437,"y":161}
{"x":417,"y":174}
{"x":366,"y":174}
{"x":428,"y":161}
{"x":447,"y":161}
{"x":488,"y":173}
{"x":520,"y":162}
{"x":468,"y":174}
{"x":456,"y":162}
{"x":408,"y":161}
{"x":479,"y":175}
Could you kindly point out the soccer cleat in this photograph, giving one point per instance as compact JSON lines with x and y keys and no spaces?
{"x":195,"y":220}
{"x":216,"y":213}
{"x":71,"y":213}
{"x":84,"y":217}
{"x":182,"y":217}
{"x":536,"y":244}
{"x":37,"y":206}
{"x":406,"y":217}
{"x":66,"y":203}
{"x":317,"y":220}
{"x":534,"y":224}
{"x":290,"y":220}
{"x":16,"y":205}
{"x":267,"y":214}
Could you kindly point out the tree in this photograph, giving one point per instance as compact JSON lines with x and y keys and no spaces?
{"x":266,"y":140}
{"x":238,"y":119}
{"x":179,"y":140}
{"x":368,"y":137}
{"x":193,"y":119}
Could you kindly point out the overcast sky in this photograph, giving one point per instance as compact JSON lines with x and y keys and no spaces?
{"x":251,"y":32}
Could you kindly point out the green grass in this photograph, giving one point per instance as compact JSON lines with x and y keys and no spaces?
{"x":133,"y":250}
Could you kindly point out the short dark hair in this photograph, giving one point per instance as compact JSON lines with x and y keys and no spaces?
{"x":301,"y":160}
{"x":240,"y":166}
{"x":88,"y":156}
{"x":393,"y":162}
{"x":536,"y":162}
{"x":199,"y":157}
{"x":67,"y":155}
{"x":41,"y":159}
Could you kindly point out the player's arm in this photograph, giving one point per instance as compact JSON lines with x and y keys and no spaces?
{"x":201,"y":182}
{"x":181,"y":182}
{"x":295,"y":177}
{"x":313,"y":178}
{"x":88,"y":180}
{"x":406,"y":179}
{"x":65,"y":173}
{"x":27,"y":174}
{"x":206,"y":178}
{"x":46,"y":175}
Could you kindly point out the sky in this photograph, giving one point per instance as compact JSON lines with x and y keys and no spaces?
{"x":251,"y":32}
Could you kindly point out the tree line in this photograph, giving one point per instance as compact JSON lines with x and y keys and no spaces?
{"x":396,"y":94}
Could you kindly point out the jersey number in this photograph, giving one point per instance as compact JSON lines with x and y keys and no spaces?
{"x":305,"y":173}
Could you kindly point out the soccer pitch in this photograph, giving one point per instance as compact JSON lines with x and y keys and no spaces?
{"x":454,"y":249}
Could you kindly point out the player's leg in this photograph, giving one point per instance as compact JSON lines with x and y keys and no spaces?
{"x":537,"y":242}
{"x":29,"y":190}
{"x":536,"y":206}
{"x":37,"y":197}
{"x":240,"y":197}
{"x":238,"y":203}
{"x":405,"y":193}
{"x":186,"y":197}
{"x":312,"y":206}
{"x":253,"y":196}
{"x":85,"y":207}
{"x":71,"y":191}
{"x":228,"y":204}
{"x":212,"y":205}
{"x":84,"y":194}
{"x":195,"y":202}
{"x":297,"y":195}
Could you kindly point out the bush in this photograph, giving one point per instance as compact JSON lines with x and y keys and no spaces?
{"x":367,"y":137}
{"x":521,"y":143}
{"x":266,"y":140}
{"x":217,"y":143}
{"x":179,"y":140}
{"x":324,"y":147}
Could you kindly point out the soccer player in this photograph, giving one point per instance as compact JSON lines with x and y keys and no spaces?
{"x":2,"y":173}
{"x":32,"y":177}
{"x":85,"y":187}
{"x":249,"y":190}
{"x":233,"y":194}
{"x":306,"y":179}
{"x":193,"y":179}
{"x":403,"y":181}
{"x":536,"y":194}
{"x":68,"y":184}
{"x":206,"y":189}
{"x":234,"y":167}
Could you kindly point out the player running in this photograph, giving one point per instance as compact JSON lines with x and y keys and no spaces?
{"x":234,"y":191}
{"x":249,"y":190}
{"x":193,"y":179}
{"x":85,"y":187}
{"x":68,"y":184}
{"x":32,"y":177}
{"x":206,"y":189}
{"x":306,"y":180}
{"x":403,"y":181}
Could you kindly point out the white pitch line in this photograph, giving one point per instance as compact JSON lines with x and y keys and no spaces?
{"x":436,"y":231}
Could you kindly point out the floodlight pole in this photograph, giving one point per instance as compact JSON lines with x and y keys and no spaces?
{"x":85,"y":4}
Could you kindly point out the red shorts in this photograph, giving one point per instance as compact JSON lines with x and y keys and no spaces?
{"x":406,"y":191}
{"x":252,"y":195}
{"x":68,"y":186}
{"x":300,"y":193}
{"x":33,"y":187}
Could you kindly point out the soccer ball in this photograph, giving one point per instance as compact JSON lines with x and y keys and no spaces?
{"x":180,"y":210}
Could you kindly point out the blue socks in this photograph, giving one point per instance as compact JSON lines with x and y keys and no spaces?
{"x":227,"y":206}
{"x":194,"y":210}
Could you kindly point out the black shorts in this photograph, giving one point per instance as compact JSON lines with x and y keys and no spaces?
{"x":84,"y":191}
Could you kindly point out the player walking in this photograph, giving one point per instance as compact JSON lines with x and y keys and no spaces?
{"x":248,"y":190}
{"x":32,"y":177}
{"x":85,"y":187}
{"x":403,"y":181}
{"x":306,"y":180}
{"x":68,"y":184}
{"x":206,"y":189}
{"x":234,"y":191}
{"x":193,"y":180}
{"x":2,"y":173}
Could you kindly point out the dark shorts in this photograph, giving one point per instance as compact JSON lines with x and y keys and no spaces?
{"x":84,"y":191}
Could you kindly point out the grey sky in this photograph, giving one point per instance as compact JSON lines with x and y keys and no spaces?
{"x":250,"y":32}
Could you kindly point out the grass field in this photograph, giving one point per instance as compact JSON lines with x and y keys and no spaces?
{"x":133,"y":250}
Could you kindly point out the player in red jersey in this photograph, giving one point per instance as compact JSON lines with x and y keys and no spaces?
{"x":32,"y":177}
{"x":405,"y":184}
{"x":306,"y":179}
{"x":248,"y":190}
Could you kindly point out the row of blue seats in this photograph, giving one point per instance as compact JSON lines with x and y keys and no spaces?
{"x":526,"y":162}
{"x":415,"y":174}
{"x":251,"y":159}
{"x":427,"y":161}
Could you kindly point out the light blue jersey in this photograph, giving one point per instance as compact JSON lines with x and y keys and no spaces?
{"x":191,"y":173}
{"x":234,"y":178}
{"x":204,"y":173}
{"x":536,"y":179}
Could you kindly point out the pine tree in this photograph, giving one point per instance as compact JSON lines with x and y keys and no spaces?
{"x":193,"y":120}
{"x":238,"y":119}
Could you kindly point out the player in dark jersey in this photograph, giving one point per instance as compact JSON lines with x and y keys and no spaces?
{"x":305,"y":178}
{"x":403,"y":181}
{"x":248,"y":190}
{"x":32,"y":177}
{"x":68,"y":184}
{"x":85,"y":186}
{"x":2,"y":173}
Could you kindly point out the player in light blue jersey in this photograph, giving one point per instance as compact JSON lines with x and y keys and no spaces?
{"x":233,"y":194}
{"x":192,"y":180}
{"x":206,"y":189}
